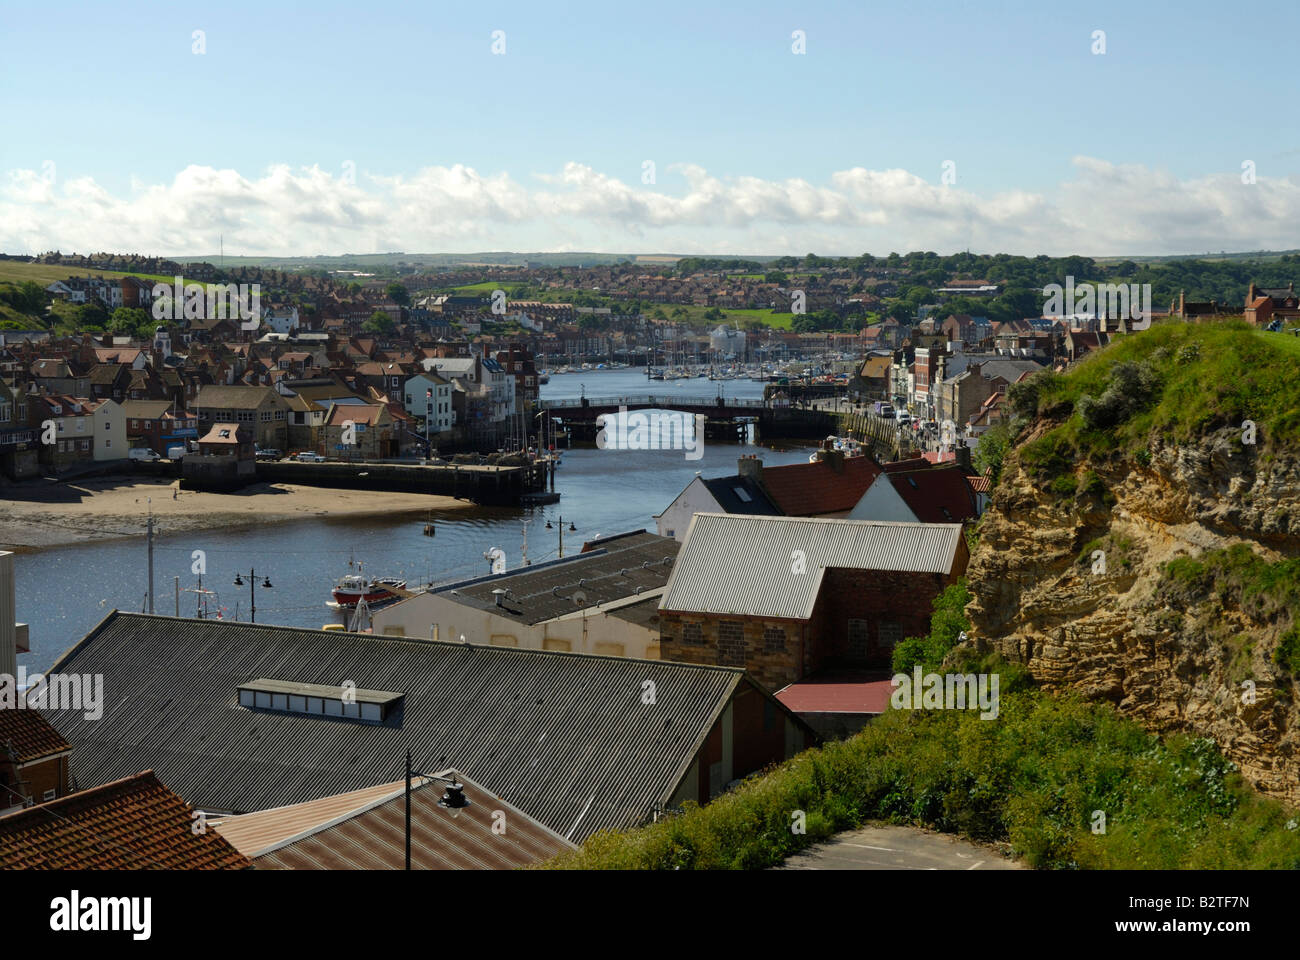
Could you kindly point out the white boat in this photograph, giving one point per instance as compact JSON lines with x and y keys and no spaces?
{"x":846,"y":445}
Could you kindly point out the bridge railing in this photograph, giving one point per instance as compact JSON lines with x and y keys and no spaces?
{"x":650,"y":400}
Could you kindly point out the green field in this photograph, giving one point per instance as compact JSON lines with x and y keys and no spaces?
{"x":14,"y":271}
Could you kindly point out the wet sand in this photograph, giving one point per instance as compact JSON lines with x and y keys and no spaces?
{"x":36,"y":516}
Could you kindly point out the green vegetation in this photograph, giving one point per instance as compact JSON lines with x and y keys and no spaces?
{"x":946,"y":624}
{"x":18,"y":271}
{"x":379,"y":322}
{"x":1174,"y":382}
{"x":1266,"y":592}
{"x":1118,"y":550}
{"x":1031,"y":778}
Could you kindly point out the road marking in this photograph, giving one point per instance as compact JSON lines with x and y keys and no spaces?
{"x":867,"y":846}
{"x":975,"y":865}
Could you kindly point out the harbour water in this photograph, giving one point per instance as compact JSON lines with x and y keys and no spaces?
{"x":64,"y":592}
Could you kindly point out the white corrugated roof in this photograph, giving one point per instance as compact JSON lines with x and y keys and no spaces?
{"x":746,"y":565}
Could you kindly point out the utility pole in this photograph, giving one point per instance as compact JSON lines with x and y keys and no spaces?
{"x":149,"y":539}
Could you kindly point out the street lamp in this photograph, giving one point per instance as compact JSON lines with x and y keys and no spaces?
{"x":572,"y":529}
{"x":453,"y":799}
{"x":252,"y":597}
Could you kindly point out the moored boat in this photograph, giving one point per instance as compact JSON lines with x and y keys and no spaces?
{"x":349,"y":590}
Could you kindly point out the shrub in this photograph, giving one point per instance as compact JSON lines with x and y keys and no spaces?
{"x":1131,"y":387}
{"x":1032,"y":779}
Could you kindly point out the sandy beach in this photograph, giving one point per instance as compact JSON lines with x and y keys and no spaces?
{"x":41,"y":515}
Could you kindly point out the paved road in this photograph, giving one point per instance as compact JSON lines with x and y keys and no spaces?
{"x":898,"y":848}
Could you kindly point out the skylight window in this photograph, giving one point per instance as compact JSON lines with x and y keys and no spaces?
{"x":343,"y":701}
{"x":743,"y":494}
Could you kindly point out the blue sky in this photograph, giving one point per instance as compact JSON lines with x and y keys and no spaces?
{"x":114,"y":98}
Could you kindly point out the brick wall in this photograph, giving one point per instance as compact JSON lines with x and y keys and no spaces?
{"x":735,"y":641}
{"x":859,"y":617}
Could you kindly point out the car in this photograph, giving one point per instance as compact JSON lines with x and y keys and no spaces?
{"x":269,"y":453}
{"x":142,"y":453}
{"x":308,"y":456}
{"x":904,"y":418}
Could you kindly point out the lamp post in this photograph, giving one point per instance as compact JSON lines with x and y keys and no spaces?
{"x":252,"y":594}
{"x":453,"y":799}
{"x":572,"y":529}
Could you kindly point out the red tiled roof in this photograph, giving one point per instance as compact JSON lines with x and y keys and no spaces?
{"x":26,"y":735}
{"x":365,"y":413}
{"x":130,"y":824}
{"x":813,"y":489}
{"x":837,"y":697}
{"x":939,"y":456}
{"x":936,"y":495}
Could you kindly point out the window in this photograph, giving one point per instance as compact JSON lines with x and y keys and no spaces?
{"x":395,"y":631}
{"x":49,"y":795}
{"x":774,"y":640}
{"x":890,"y":633}
{"x":692,"y":633}
{"x":731,"y":643}
{"x":859,"y":639}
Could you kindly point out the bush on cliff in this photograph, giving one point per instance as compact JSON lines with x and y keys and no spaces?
{"x":1173,"y":383}
{"x":1033,"y":778}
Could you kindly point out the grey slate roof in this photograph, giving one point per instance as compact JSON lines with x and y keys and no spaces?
{"x":745,"y":566}
{"x":556,"y":733}
{"x":620,"y":567}
{"x":724,"y":490}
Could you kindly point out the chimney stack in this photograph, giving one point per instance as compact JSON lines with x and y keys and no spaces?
{"x":751,"y":468}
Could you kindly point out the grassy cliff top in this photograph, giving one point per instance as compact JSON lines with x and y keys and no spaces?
{"x":1175,"y":381}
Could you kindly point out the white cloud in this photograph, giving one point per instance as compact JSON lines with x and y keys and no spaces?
{"x":1103,"y":209}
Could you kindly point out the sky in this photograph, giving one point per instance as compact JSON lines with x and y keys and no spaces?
{"x":290,"y":129}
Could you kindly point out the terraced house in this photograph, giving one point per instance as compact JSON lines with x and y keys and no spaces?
{"x":260,"y":409}
{"x":86,"y":431}
{"x":18,"y":440}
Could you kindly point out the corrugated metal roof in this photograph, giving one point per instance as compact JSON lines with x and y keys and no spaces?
{"x":746,"y":565}
{"x":366,"y":830}
{"x":555,"y":732}
{"x":620,"y":568}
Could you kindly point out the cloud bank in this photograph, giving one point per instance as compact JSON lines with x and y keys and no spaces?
{"x":1104,"y":209}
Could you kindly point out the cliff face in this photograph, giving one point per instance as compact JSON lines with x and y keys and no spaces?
{"x":1175,"y":664}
